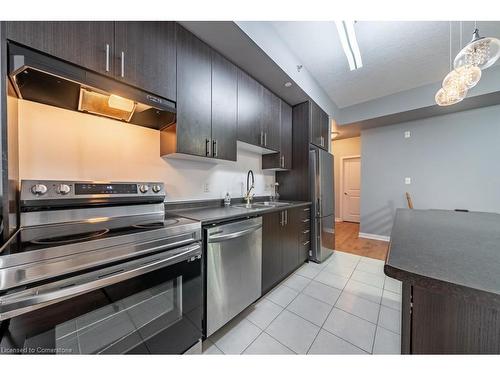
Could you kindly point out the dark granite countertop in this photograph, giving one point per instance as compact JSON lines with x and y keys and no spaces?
{"x":211,"y":215}
{"x":457,"y":252}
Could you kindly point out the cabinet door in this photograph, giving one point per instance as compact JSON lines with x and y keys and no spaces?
{"x":250,"y":94}
{"x":84,"y":43}
{"x":325,"y":129}
{"x":270,"y":120}
{"x":315,"y":124}
{"x":290,"y":243}
{"x":145,"y":56}
{"x":272,"y":262}
{"x":194,"y":95}
{"x":224,"y":108}
{"x":286,"y":136}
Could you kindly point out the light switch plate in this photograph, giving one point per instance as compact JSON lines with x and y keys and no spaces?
{"x":407,"y":180}
{"x":407,"y":134}
{"x":206,"y":187}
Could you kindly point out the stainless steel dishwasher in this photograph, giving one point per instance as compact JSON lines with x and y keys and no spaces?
{"x":234,"y":270}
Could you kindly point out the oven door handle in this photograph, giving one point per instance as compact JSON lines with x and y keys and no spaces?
{"x":18,"y":303}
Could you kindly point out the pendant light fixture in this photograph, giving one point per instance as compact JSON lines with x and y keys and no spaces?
{"x":454,"y":88}
{"x":465,"y":75}
{"x":480,"y":52}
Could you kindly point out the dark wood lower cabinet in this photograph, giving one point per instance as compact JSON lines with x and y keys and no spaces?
{"x":282,"y":252}
{"x":272,"y":258}
{"x":439,"y":322}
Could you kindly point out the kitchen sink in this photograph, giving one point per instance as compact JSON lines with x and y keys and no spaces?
{"x":261,"y":205}
{"x":251,"y":206}
{"x":271,"y":204}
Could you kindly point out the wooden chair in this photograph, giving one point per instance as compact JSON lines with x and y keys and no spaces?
{"x":408,"y":199}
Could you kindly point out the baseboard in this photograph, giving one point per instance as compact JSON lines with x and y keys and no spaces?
{"x":338,"y":220}
{"x":374,"y":236}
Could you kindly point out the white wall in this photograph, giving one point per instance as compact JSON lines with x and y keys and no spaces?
{"x":452,"y":161}
{"x":58,"y":144}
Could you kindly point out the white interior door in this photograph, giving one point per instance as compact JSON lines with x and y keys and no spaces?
{"x":351,"y":189}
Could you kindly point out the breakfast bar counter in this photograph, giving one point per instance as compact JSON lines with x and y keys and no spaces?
{"x":449,"y":263}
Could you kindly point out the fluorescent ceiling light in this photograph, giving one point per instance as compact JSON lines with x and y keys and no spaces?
{"x":349,"y":43}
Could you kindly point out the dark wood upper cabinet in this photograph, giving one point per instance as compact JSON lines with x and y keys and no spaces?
{"x":258,"y":114}
{"x":286,"y":136}
{"x":224,"y":108}
{"x":194,"y":95}
{"x":145,"y":56}
{"x":270,"y":120}
{"x":84,"y":43}
{"x":325,"y":129}
{"x":250,"y":94}
{"x":283,"y":159}
{"x":142,"y":54}
{"x":318,"y":126}
{"x":207,"y":102}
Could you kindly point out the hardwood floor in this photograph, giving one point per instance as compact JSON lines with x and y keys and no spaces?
{"x":346,"y":239}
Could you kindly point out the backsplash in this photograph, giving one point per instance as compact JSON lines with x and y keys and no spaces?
{"x":59,"y":144}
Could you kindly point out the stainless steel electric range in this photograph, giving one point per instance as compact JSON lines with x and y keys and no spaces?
{"x":97,"y":268}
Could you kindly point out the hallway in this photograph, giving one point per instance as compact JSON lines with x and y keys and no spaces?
{"x":347,"y":240}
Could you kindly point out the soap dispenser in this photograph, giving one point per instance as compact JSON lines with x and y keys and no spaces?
{"x":227,"y":200}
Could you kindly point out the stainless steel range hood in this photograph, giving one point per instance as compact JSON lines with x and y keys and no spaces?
{"x":45,"y":79}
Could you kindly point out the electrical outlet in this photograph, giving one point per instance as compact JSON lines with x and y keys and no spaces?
{"x":206,"y":187}
{"x":407,"y":180}
{"x":407,"y":134}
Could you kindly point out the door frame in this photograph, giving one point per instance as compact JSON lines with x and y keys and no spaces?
{"x":341,"y":181}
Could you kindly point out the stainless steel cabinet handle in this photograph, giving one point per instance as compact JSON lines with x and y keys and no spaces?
{"x":265,"y":139}
{"x":122,"y":58}
{"x":286,"y":217}
{"x":282,"y":161}
{"x":261,"y":138}
{"x":207,"y":147}
{"x":307,"y":209}
{"x":35,"y":298}
{"x":306,"y":243}
{"x":305,"y":231}
{"x":107,"y":57}
{"x":305,"y":220}
{"x":230,"y":236}
{"x":214,"y":152}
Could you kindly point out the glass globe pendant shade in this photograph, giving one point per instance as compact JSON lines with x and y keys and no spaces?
{"x":466,"y":75}
{"x":451,"y":95}
{"x":480,"y":52}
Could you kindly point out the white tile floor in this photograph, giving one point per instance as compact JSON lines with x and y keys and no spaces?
{"x":343,"y":306}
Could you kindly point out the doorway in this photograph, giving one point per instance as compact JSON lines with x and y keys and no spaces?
{"x":350,"y":185}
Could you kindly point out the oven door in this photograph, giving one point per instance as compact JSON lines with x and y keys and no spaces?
{"x":148,"y":305}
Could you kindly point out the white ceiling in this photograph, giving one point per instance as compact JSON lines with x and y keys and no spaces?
{"x":396,"y":56}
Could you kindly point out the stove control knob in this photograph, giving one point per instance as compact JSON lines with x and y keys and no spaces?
{"x":63,"y":189}
{"x":39,"y":189}
{"x":156,"y":188}
{"x":143,"y":188}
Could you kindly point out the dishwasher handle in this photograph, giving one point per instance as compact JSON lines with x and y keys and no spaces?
{"x":232,"y":235}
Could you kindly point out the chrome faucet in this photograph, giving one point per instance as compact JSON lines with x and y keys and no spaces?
{"x":248,"y":196}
